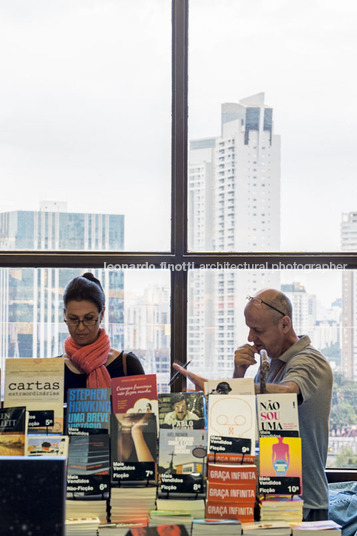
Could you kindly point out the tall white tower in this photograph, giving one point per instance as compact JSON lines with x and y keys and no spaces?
{"x":234,"y":205}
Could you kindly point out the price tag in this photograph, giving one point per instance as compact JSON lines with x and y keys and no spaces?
{"x":41,"y":418}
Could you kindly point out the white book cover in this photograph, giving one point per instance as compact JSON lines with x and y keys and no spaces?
{"x":231,"y":424}
{"x":231,"y":386}
{"x":277,"y":415}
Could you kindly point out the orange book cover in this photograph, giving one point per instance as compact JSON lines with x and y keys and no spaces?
{"x":232,"y":473}
{"x":237,"y":493}
{"x":218,"y":510}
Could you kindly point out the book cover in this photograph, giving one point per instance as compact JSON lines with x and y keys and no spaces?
{"x":182,"y":458}
{"x":278,"y":415}
{"x":218,"y":457}
{"x":231,"y":424}
{"x":231,"y":386}
{"x":88,"y":465}
{"x":182,"y":410}
{"x":238,"y":474}
{"x":37,"y":384}
{"x":13,"y":430}
{"x":240,"y":493}
{"x":161,"y":530}
{"x":243,"y":512}
{"x":135,"y":394}
{"x":133,"y":446}
{"x":280,"y":465}
{"x":318,"y":528}
{"x":47,"y":445}
{"x":88,"y":411}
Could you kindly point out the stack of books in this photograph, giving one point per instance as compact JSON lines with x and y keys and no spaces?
{"x":288,"y":509}
{"x":317,"y":528}
{"x":216,"y":527}
{"x":270,"y":528}
{"x":134,"y":433}
{"x":232,"y":474}
{"x":182,"y":452}
{"x":88,"y":428}
{"x":86,"y":526}
{"x":168,"y":517}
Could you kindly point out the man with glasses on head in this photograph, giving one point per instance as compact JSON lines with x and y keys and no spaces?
{"x":295,"y":367}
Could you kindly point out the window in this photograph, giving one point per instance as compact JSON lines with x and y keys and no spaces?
{"x":86,"y":147}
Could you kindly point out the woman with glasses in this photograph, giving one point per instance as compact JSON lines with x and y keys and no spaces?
{"x":90,"y":361}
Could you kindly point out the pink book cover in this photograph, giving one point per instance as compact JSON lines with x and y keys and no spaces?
{"x":135,"y":394}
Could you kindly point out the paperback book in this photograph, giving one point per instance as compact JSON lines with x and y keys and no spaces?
{"x":37,"y":384}
{"x":47,"y":445}
{"x":231,"y":424}
{"x":13,"y":430}
{"x":280,"y":466}
{"x":88,"y":465}
{"x":135,"y":394}
{"x":231,"y":386}
{"x":278,"y":415}
{"x":182,"y":457}
{"x":182,"y":411}
{"x":88,"y":411}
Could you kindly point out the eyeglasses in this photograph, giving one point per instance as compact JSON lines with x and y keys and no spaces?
{"x":259,"y":300}
{"x":86,"y":322}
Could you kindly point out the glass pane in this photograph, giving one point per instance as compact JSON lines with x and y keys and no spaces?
{"x":272,"y":125}
{"x":323,"y":309}
{"x":137,"y":316}
{"x":85,"y":104}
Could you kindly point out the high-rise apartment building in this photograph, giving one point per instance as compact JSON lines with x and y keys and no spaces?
{"x":234,"y":205}
{"x":349,"y":299}
{"x":31,"y":311}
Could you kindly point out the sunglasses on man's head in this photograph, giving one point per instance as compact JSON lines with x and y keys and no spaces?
{"x":260,"y":301}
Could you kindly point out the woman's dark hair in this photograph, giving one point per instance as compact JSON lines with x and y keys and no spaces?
{"x":85,"y":287}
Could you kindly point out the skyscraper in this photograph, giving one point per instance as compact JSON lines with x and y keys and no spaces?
{"x":234,"y":205}
{"x":349,"y":299}
{"x":31,"y":312}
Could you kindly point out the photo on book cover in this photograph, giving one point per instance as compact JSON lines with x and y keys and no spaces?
{"x":182,"y":410}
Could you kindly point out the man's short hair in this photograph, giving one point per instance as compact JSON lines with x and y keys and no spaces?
{"x":177,"y":398}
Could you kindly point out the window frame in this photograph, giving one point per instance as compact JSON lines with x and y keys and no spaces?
{"x":179,"y":253}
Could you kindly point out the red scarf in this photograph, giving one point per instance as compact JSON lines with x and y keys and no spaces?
{"x":91,"y":359}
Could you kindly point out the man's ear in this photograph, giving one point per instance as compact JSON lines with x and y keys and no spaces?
{"x":285,"y":323}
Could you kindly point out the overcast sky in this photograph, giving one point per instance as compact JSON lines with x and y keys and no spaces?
{"x":85,"y":100}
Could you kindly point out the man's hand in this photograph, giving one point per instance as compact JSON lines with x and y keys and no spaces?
{"x":244,"y":358}
{"x":198,"y":381}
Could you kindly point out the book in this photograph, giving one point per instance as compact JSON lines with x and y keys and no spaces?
{"x":88,"y":411}
{"x":280,"y":508}
{"x":88,"y":466}
{"x":318,"y":528}
{"x":135,"y":394}
{"x":196,"y":507}
{"x":233,"y":386}
{"x":162,"y":530}
{"x":25,"y":502}
{"x":216,"y":527}
{"x":182,"y":410}
{"x":239,"y":493}
{"x":219,"y":457}
{"x":13,"y":430}
{"x":119,"y":529}
{"x":132,"y":503}
{"x":87,"y":526}
{"x":182,"y":461}
{"x":231,"y":424}
{"x":226,"y":510}
{"x":47,"y":445}
{"x":37,"y":384}
{"x":133,"y":447}
{"x":280,"y":466}
{"x":271,"y":528}
{"x":232,"y":474}
{"x":278,"y":415}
